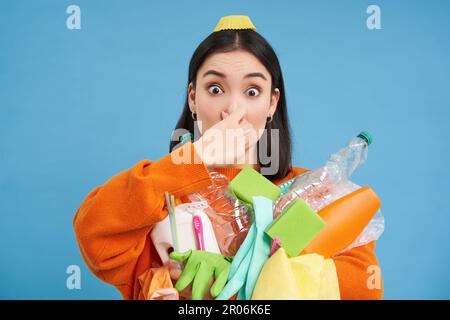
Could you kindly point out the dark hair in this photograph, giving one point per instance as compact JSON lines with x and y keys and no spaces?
{"x":254,"y":43}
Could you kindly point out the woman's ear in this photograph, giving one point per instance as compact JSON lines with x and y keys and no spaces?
{"x":191,"y":97}
{"x":274,"y":102}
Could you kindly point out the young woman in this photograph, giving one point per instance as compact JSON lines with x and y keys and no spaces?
{"x":234,"y":83}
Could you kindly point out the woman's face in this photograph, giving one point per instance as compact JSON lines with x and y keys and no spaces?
{"x":227,"y":80}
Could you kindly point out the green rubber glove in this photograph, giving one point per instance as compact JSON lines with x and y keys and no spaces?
{"x":200,"y":267}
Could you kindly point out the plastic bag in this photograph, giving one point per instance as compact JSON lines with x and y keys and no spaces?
{"x":371,"y":232}
{"x":306,"y":277}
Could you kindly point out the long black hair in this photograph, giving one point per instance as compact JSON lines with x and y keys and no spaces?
{"x":254,"y":43}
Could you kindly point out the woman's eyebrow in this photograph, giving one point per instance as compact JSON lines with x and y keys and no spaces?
{"x":220,"y":74}
{"x":214,"y":72}
{"x":255,"y":74}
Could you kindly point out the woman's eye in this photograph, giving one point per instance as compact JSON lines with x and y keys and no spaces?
{"x":253,"y":92}
{"x":215,"y":90}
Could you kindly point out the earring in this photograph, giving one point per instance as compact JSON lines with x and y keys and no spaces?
{"x":193,"y":116}
{"x":270,"y":119}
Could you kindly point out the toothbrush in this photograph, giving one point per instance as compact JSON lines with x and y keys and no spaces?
{"x":198,"y":228}
{"x":275,"y":245}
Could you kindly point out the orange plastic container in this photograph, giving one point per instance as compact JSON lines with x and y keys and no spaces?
{"x":344,"y":220}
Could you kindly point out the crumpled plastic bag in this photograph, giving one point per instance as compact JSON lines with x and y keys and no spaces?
{"x":156,"y":285}
{"x":305,"y":277}
{"x":371,"y":232}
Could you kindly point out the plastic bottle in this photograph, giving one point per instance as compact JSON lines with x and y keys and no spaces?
{"x":230,"y":217}
{"x":323,"y":186}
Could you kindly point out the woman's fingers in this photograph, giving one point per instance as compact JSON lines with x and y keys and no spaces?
{"x":234,"y":135}
{"x":246,"y":127}
{"x":238,"y":114}
{"x":250,"y":133}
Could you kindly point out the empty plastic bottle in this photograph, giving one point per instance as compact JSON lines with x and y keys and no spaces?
{"x":323,"y":186}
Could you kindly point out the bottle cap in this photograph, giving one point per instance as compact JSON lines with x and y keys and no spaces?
{"x":186,"y":137}
{"x":366,"y":136}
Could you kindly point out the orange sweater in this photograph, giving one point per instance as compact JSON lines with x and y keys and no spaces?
{"x":113,"y":225}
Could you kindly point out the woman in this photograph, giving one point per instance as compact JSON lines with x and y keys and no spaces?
{"x":235,"y":84}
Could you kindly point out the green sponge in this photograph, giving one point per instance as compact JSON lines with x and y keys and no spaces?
{"x":249,"y":183}
{"x":296,"y":227}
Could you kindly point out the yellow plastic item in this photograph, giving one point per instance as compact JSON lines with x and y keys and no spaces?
{"x":234,"y":23}
{"x":306,"y":277}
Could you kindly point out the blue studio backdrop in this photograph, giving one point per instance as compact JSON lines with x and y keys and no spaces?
{"x":78,"y":106}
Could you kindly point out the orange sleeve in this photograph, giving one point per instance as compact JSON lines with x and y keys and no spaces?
{"x":355,"y":270}
{"x":112,"y":224}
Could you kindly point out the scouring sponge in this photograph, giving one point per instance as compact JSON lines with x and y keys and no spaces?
{"x":296,"y":226}
{"x":249,"y":183}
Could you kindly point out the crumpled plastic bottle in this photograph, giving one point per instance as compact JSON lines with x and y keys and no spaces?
{"x":230,"y":217}
{"x":323,"y":186}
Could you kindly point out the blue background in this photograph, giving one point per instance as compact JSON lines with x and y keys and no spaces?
{"x":79,"y":106}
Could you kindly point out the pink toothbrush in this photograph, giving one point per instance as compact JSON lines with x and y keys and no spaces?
{"x":275,"y":245}
{"x":198,"y":227}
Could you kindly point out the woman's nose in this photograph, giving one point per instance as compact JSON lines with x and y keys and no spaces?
{"x":233,"y":105}
{"x":242,"y":111}
{"x":224,"y":115}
